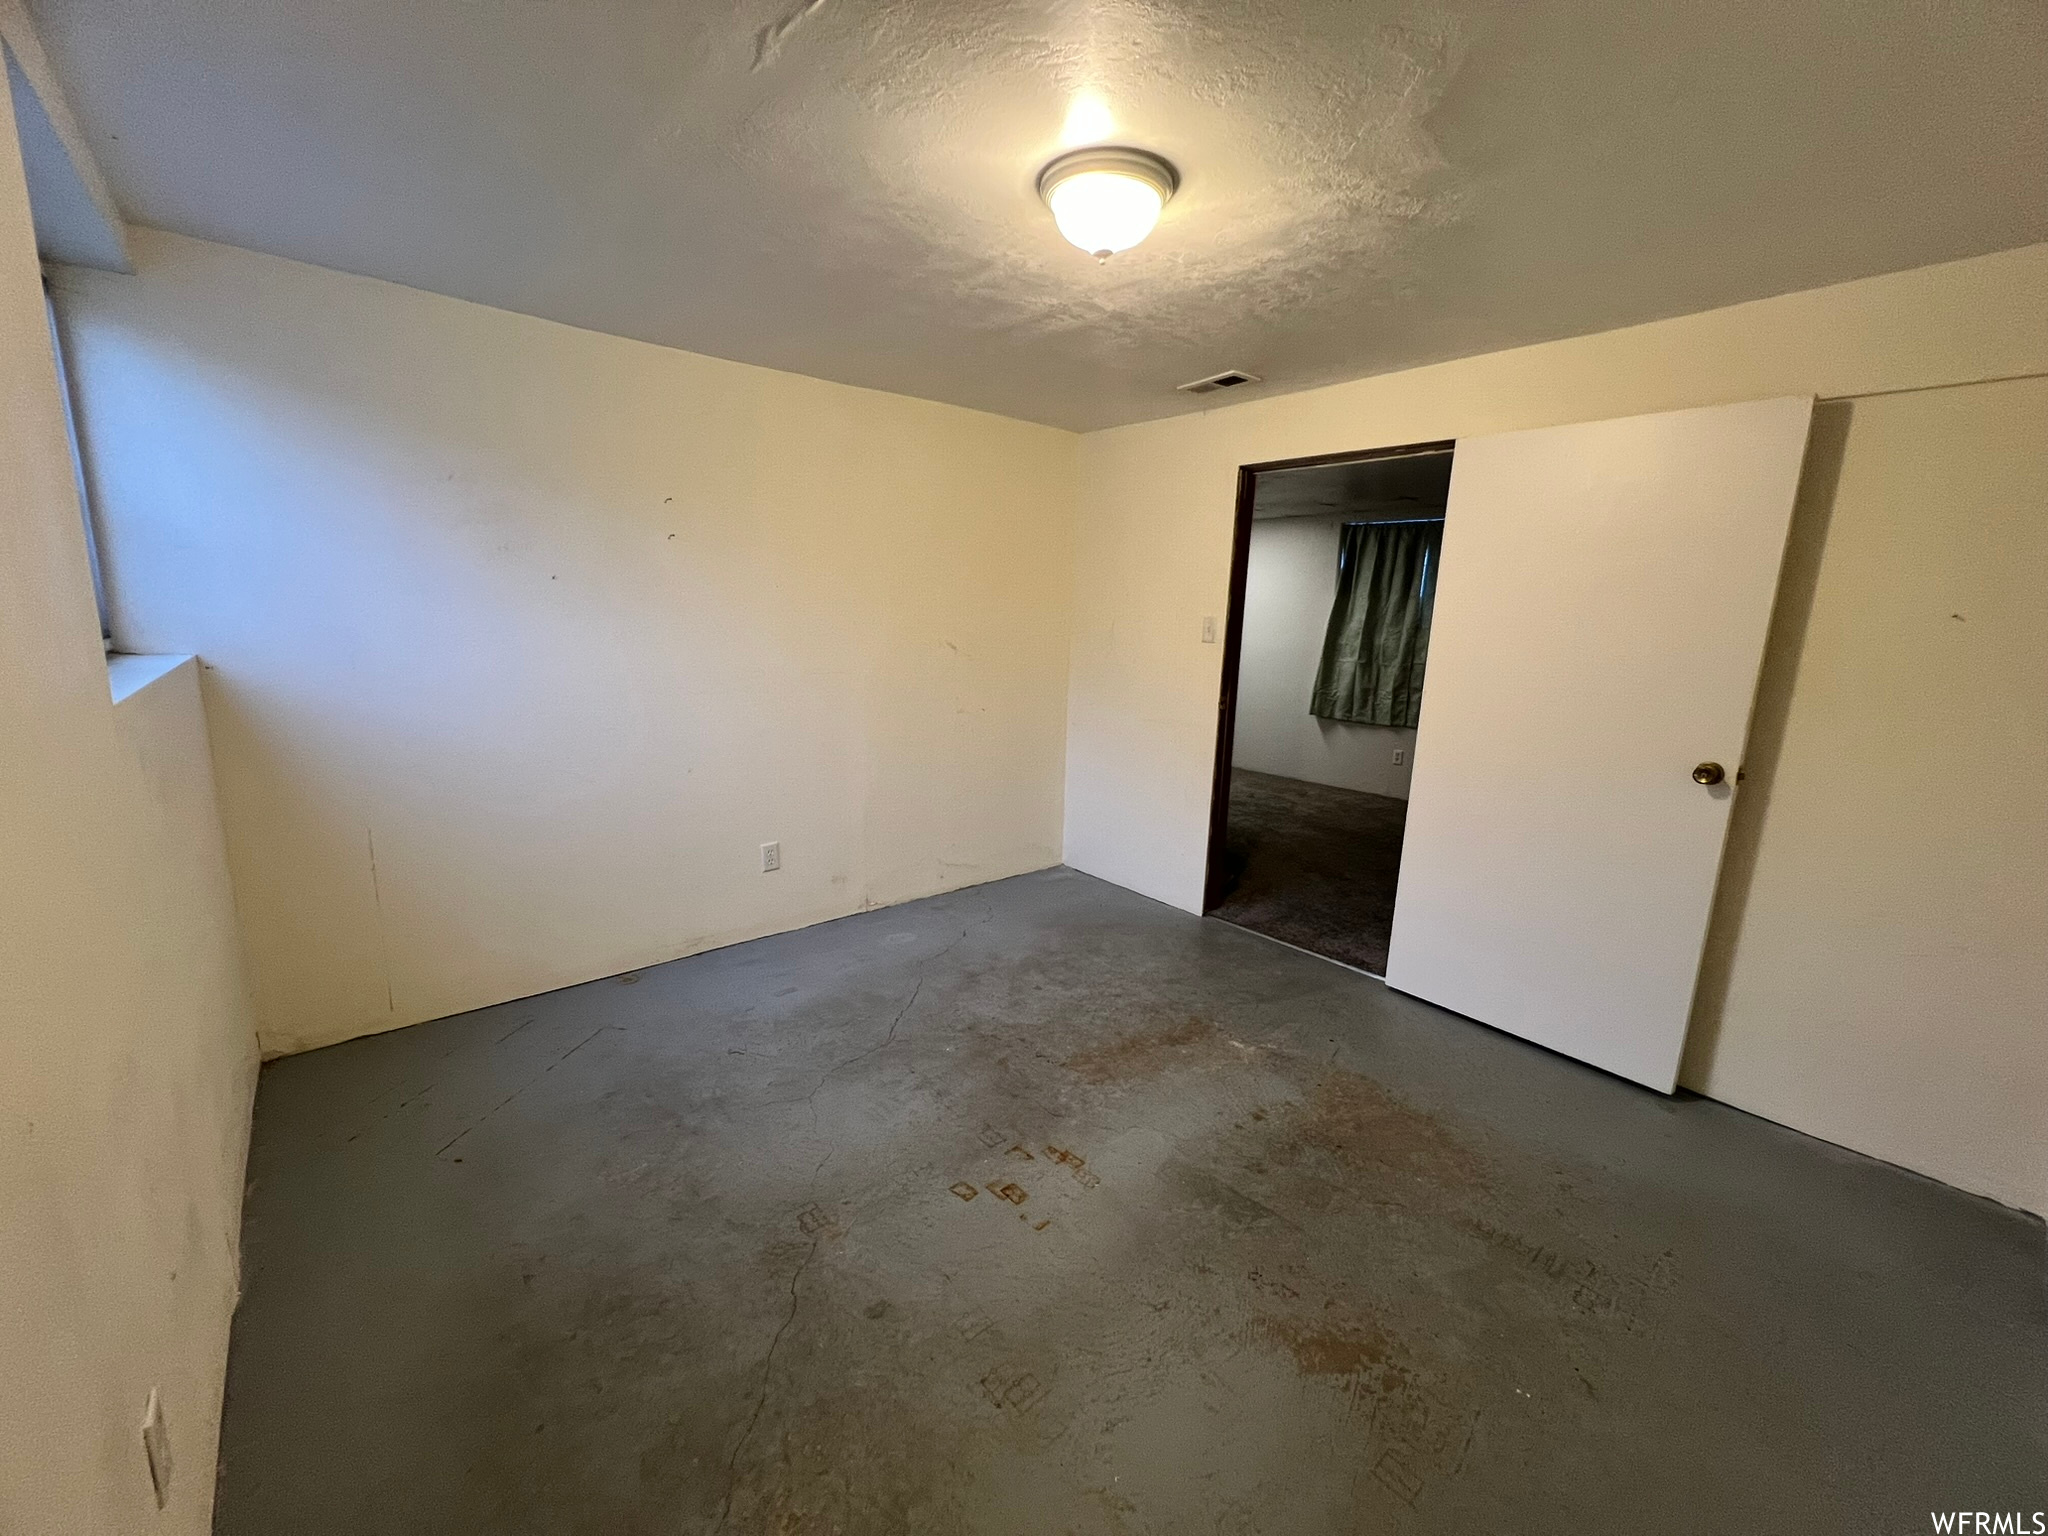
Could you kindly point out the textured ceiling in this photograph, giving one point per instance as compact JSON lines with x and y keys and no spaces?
{"x":844,"y":187}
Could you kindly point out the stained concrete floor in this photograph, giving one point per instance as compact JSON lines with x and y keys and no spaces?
{"x":1042,"y":1208}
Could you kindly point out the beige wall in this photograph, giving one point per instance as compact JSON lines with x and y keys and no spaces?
{"x":127,"y":1056}
{"x":522,"y":639}
{"x":1152,"y":557}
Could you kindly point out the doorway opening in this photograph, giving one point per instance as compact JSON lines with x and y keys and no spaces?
{"x":1333,"y":581}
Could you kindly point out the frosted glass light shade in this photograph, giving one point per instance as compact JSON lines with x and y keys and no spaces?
{"x":1106,"y":200}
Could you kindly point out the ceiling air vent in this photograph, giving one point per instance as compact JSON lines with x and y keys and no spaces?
{"x":1227,"y":380}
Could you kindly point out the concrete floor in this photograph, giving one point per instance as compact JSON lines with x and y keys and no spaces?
{"x":1042,"y":1208}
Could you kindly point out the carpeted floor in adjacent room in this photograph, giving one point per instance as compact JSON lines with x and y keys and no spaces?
{"x":1314,"y":866}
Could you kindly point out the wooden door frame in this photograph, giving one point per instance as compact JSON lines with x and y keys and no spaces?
{"x":1233,"y":635}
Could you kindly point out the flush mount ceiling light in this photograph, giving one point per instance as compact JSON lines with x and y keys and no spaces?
{"x":1106,"y":200}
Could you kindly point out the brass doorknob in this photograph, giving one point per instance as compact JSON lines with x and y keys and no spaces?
{"x":1709,"y":773}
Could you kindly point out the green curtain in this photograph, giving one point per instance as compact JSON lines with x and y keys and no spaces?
{"x":1378,"y":640}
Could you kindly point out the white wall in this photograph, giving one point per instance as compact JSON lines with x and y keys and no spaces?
{"x":127,"y":1054}
{"x":1152,"y":557}
{"x":1290,"y":582}
{"x":521,"y":639}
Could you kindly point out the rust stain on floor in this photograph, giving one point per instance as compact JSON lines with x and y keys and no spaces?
{"x":1354,"y":1120}
{"x":1145,"y":1053}
{"x":1330,"y":1349}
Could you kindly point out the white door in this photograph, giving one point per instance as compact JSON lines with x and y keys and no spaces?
{"x":1600,"y":618}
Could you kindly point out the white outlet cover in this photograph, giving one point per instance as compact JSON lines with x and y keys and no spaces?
{"x":771,"y":857}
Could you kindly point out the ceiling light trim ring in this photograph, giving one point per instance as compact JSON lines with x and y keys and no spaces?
{"x":1118,"y":158}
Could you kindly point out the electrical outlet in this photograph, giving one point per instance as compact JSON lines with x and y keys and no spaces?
{"x":771,"y":857}
{"x":1400,"y":757}
{"x":156,"y":1446}
{"x":1209,"y":631}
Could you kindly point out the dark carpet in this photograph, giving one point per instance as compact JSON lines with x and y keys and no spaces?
{"x":1313,"y":866}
